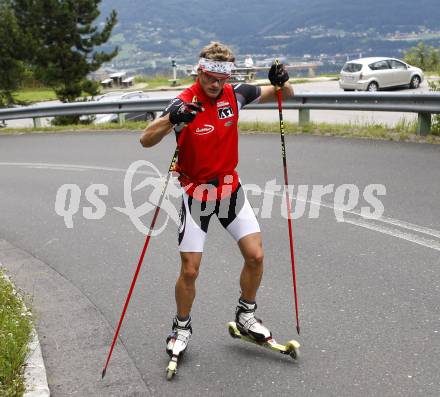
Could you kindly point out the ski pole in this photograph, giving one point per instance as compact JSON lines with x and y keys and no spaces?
{"x":138,"y":268}
{"x":286,"y":188}
{"x":144,"y":249}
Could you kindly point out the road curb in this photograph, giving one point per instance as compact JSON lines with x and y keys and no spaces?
{"x":74,"y":335}
{"x":34,"y":369}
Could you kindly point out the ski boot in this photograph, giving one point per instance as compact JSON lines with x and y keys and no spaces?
{"x":251,"y":329}
{"x":248,"y":324}
{"x":177,"y":343}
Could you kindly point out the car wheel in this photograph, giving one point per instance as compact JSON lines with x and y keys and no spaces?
{"x":150,"y":116}
{"x":373,"y":86}
{"x":415,"y":82}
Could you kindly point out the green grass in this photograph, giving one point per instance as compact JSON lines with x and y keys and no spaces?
{"x":402,"y":131}
{"x":15,"y":334}
{"x":300,"y":80}
{"x":330,"y":75}
{"x":35,"y":95}
{"x":305,"y":80}
{"x":130,"y":125}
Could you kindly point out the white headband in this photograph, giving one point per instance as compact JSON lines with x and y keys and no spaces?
{"x":209,"y":65}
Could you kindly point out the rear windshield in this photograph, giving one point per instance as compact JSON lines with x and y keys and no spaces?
{"x":351,"y":67}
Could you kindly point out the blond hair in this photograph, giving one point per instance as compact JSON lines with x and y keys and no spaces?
{"x":217,"y":51}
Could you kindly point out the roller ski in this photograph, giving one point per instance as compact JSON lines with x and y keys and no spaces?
{"x":250,"y":329}
{"x":177,"y":343}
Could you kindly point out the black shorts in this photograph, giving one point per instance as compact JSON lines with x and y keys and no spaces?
{"x":234,"y":213}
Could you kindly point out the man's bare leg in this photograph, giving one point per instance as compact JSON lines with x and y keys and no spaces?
{"x":252,"y":250}
{"x":251,"y":247}
{"x":185,"y":290}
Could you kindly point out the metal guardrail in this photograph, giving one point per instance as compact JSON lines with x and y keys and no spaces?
{"x":91,"y":107}
{"x":423,"y":104}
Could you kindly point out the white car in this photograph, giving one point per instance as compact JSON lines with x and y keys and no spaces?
{"x":373,"y":74}
{"x":113,"y":117}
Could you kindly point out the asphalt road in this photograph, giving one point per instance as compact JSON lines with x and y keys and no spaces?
{"x":368,"y":289}
{"x":328,"y":116}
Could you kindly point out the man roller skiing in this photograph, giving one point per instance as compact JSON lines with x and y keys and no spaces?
{"x":204,"y":118}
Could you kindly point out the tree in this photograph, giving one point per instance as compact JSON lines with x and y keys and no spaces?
{"x":65,"y":41}
{"x":425,"y":57}
{"x":11,"y":54}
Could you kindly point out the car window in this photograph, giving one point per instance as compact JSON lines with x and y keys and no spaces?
{"x":396,"y":64}
{"x":380,"y":65}
{"x":352,"y":67}
{"x":108,"y":96}
{"x":131,"y":96}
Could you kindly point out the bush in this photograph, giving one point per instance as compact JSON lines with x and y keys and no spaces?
{"x":425,"y":57}
{"x":65,"y":120}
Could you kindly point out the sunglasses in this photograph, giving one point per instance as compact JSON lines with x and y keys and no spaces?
{"x":211,"y":78}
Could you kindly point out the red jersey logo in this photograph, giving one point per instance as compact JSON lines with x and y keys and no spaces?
{"x":206,"y":129}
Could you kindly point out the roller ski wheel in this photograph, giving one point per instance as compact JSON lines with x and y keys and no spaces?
{"x":172,"y":368}
{"x":172,"y":365}
{"x":291,"y":348}
{"x":170,"y":374}
{"x":233,"y":330}
{"x":174,"y":357}
{"x":176,"y":344}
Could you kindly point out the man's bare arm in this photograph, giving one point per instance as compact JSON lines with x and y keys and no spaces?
{"x":269,"y":93}
{"x":156,"y":130}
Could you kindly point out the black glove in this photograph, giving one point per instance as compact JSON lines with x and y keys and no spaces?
{"x":185,"y":112}
{"x":278,"y":75}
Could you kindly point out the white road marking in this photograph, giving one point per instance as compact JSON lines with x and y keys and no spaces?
{"x":429,"y":243}
{"x":370,"y":223}
{"x":43,"y":167}
{"x":367,"y":223}
{"x":410,"y":226}
{"x":69,"y":167}
{"x":383,"y":219}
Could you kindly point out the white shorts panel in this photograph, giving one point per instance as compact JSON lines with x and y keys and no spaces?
{"x":245,"y":223}
{"x":193,"y":236}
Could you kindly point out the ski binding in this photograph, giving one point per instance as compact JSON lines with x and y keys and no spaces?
{"x":291,"y":348}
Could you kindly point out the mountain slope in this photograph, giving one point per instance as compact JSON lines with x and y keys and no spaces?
{"x":176,"y":28}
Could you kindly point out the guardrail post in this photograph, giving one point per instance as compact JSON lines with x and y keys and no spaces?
{"x":37,"y":122}
{"x":424,"y":124}
{"x":121,"y":118}
{"x":304,"y":116}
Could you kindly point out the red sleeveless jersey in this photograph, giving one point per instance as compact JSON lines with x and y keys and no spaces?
{"x":208,"y":147}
